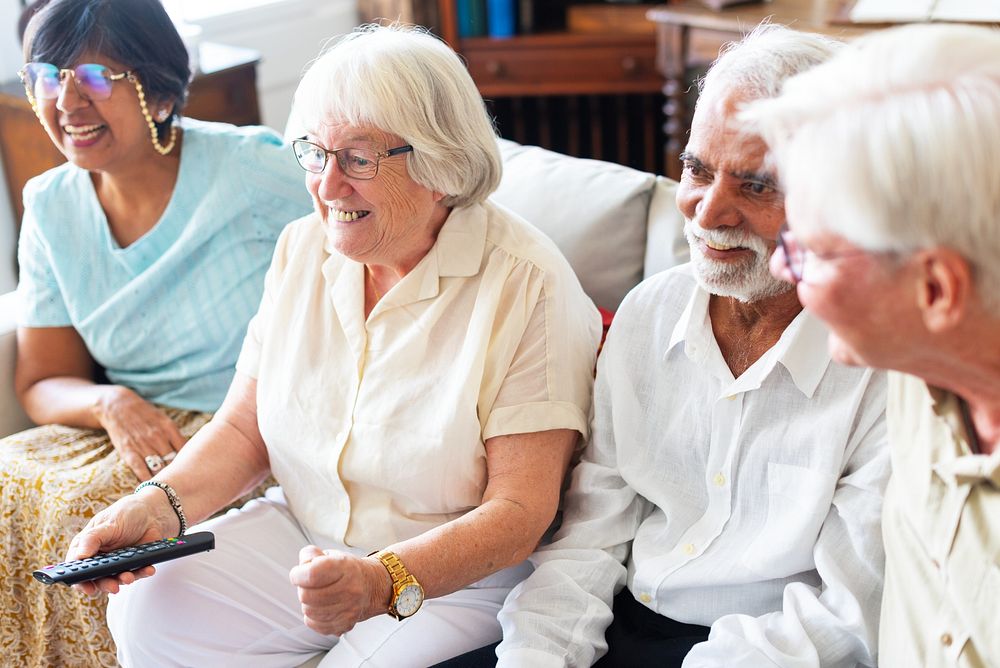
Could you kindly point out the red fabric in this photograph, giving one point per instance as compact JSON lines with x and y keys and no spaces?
{"x":606,"y":318}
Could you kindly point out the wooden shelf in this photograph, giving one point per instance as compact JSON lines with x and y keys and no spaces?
{"x":563,"y":64}
{"x":591,"y":90}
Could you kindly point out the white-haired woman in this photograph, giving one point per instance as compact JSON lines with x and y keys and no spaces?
{"x":416,"y":378}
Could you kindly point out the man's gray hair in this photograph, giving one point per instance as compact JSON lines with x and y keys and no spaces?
{"x":759,"y":64}
{"x":404,"y":81}
{"x":894,"y":144}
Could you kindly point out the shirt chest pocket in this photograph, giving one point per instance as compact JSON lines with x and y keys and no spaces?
{"x":798,"y":500}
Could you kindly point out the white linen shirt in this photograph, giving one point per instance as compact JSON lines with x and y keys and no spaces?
{"x":375,"y":428}
{"x":750,"y":504}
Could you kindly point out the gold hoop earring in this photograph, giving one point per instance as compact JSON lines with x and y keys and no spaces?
{"x":162,"y":150}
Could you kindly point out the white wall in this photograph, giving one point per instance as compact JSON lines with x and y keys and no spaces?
{"x":10,"y":62}
{"x":288,"y":35}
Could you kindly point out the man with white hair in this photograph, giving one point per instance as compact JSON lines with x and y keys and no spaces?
{"x":731,"y":491}
{"x":890,"y":158}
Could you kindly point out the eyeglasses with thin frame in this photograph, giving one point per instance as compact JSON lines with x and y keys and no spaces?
{"x":44,"y":81}
{"x":796,"y":255}
{"x":357,"y":163}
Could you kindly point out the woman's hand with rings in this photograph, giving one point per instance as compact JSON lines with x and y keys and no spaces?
{"x":155,"y":462}
{"x":144,"y":436}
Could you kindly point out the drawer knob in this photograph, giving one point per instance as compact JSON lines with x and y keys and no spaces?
{"x":495,"y":68}
{"x":629,"y":64}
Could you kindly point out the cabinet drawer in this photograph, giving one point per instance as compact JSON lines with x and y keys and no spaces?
{"x":563,"y":65}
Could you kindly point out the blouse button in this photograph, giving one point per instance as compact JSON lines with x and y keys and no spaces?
{"x":689,"y":548}
{"x":719,"y":480}
{"x":946,"y":639}
{"x":645,"y":598}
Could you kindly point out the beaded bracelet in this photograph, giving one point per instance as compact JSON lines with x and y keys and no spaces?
{"x":175,"y":502}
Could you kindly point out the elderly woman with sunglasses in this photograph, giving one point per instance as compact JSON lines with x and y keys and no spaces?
{"x":142,"y":260}
{"x":416,"y":379}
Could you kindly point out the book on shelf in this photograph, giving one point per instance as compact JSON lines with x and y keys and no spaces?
{"x":903,"y":11}
{"x":526,"y":16}
{"x":471,"y":16}
{"x":719,"y":5}
{"x":501,"y":18}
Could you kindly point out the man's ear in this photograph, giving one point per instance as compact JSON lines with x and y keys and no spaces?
{"x":944,"y":287}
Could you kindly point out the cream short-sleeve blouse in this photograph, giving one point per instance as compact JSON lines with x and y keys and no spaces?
{"x":376,"y":428}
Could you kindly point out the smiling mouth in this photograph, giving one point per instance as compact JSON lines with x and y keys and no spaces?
{"x":83,"y":133}
{"x":348,"y":216}
{"x":721,"y":247}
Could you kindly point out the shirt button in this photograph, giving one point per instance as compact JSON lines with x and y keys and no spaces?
{"x":689,"y":548}
{"x":719,"y":480}
{"x":731,"y":397}
{"x":645,"y":598}
{"x":344,"y":505}
{"x":946,"y":639}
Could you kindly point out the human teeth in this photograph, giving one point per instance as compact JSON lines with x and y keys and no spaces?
{"x":82,"y":128}
{"x":718,"y":246}
{"x":349,"y":216}
{"x":83,"y":132}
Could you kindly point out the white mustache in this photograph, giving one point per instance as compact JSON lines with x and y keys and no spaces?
{"x":726,"y":237}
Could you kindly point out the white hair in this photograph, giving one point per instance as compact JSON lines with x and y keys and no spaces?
{"x":404,"y":81}
{"x":895,"y":144}
{"x":759,"y":64}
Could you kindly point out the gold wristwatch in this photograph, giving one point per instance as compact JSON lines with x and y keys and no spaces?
{"x":407,"y":594}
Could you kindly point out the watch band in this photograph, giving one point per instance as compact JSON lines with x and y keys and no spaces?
{"x":392,"y":563}
{"x":403,"y":585}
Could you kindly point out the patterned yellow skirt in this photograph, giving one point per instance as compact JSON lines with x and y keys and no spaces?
{"x":53,"y":479}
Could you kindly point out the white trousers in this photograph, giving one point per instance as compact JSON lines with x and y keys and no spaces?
{"x":234,"y":606}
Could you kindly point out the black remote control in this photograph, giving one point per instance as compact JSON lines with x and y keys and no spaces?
{"x":125,"y":559}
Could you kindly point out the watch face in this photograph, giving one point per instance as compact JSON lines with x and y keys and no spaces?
{"x":409,"y":600}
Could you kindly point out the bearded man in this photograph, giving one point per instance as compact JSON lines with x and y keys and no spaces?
{"x":726,"y":511}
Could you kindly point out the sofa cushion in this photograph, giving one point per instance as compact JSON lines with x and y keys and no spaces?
{"x":666,"y":245}
{"x":594,"y":211}
{"x":12,"y":418}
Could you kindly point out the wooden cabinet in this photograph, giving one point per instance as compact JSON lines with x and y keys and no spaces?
{"x":224,"y":89}
{"x":567,"y":64}
{"x":591,"y":89}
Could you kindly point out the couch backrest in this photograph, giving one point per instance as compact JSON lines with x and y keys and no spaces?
{"x":12,"y":417}
{"x":616,"y":225}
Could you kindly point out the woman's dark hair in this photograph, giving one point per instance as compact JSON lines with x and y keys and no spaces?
{"x":137,"y":33}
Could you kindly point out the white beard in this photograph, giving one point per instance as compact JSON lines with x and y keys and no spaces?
{"x":748,"y":281}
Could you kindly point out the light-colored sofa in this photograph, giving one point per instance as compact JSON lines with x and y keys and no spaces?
{"x":12,"y":418}
{"x":615,"y":225}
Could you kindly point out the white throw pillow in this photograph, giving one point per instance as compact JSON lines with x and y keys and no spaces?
{"x":595,"y":211}
{"x":666,"y":245}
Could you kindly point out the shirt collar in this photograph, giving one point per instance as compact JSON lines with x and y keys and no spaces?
{"x":965,"y":468}
{"x":461,"y":242}
{"x":801,"y":349}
